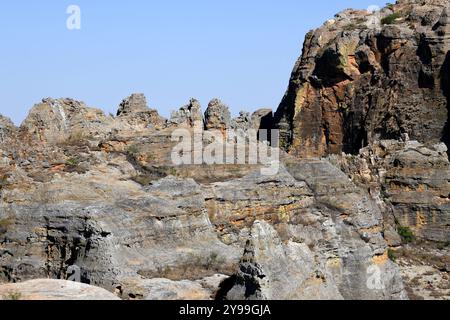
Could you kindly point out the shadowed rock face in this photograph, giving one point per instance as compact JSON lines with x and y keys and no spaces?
{"x":369,"y":76}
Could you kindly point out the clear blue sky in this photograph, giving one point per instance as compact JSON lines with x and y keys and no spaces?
{"x":240,"y":51}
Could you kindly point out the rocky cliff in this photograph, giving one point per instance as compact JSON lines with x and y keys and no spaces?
{"x":359,"y":208}
{"x":97,"y":197}
{"x":367,"y":76}
{"x":373,"y":87}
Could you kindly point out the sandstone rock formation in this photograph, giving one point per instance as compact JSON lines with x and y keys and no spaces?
{"x":6,"y":128}
{"x":359,"y":206}
{"x":359,"y":81}
{"x":217,"y":116}
{"x":188,"y":114}
{"x":135,"y":112}
{"x":114,"y":207}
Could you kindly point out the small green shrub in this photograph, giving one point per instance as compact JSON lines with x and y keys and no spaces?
{"x":73,"y":162}
{"x":391,"y":255}
{"x":406,"y":234}
{"x":391,"y":19}
{"x":133,"y":150}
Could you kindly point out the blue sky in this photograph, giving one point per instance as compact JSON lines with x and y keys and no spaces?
{"x":240,"y":51}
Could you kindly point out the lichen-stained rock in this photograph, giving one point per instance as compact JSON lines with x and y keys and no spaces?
{"x":413,"y":179}
{"x":108,"y":227}
{"x":134,"y":112}
{"x":359,"y":81}
{"x":7,"y":128}
{"x":271,"y":269}
{"x":217,"y":116}
{"x":318,"y":211}
{"x":58,"y":120}
{"x":188,"y":114}
{"x":46,"y":289}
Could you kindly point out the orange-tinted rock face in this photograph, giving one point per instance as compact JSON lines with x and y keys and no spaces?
{"x":364,"y":77}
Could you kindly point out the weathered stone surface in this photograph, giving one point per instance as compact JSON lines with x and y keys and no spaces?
{"x":243,"y":122}
{"x":122,"y":235}
{"x":217,"y":116}
{"x":83,"y":191}
{"x":188,"y":114}
{"x":6,"y":128}
{"x":318,"y":212}
{"x":271,"y":269}
{"x":358,"y":82}
{"x":58,"y":120}
{"x":413,"y":181}
{"x":135,"y":113}
{"x":133,"y":104}
{"x":46,"y":289}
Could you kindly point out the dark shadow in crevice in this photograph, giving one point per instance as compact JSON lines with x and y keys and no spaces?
{"x":445,"y":86}
{"x":225,"y":287}
{"x":355,"y":134}
{"x":267,"y":123}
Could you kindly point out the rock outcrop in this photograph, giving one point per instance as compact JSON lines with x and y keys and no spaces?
{"x":135,"y":113}
{"x":120,"y":214}
{"x":46,"y":289}
{"x":188,"y":114}
{"x":7,"y":128}
{"x":364,"y":122}
{"x":57,"y":120}
{"x":366,"y":76}
{"x":412,"y":180}
{"x":217,"y":116}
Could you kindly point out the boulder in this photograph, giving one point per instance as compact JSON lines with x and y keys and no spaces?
{"x":46,"y":289}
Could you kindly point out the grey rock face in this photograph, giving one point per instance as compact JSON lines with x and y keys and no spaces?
{"x":412,"y":180}
{"x":57,"y":120}
{"x":270,"y":269}
{"x":188,"y":114}
{"x":359,"y":82}
{"x":217,"y":116}
{"x":6,"y":128}
{"x":242,"y":122}
{"x":133,"y":104}
{"x":134,"y":113}
{"x":331,"y":223}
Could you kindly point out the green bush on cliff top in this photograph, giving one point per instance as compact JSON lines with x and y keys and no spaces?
{"x":391,"y":19}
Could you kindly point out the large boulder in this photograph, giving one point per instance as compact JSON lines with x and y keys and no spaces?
{"x":46,"y":289}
